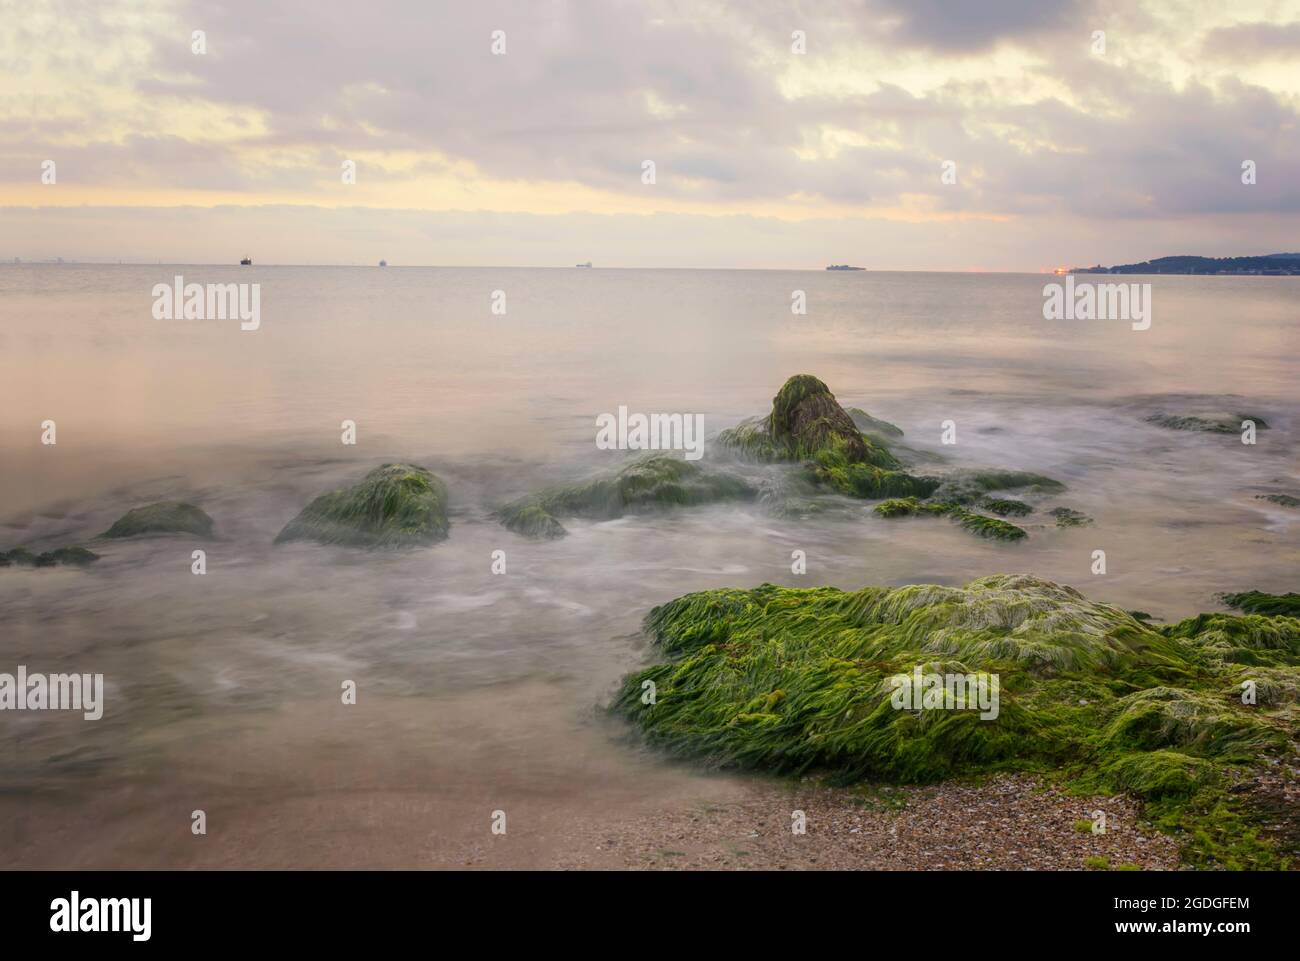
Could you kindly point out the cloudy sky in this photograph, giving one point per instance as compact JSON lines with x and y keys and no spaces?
{"x":764,"y":157}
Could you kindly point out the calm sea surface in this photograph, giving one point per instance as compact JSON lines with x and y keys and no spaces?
{"x":480,"y":691}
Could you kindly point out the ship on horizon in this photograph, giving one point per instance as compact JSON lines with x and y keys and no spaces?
{"x":844,"y":267}
{"x":246,"y":262}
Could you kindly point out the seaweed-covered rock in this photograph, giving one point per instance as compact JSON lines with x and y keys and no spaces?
{"x":806,"y":421}
{"x":1212,"y":422}
{"x":991,"y":527}
{"x":396,"y":505}
{"x":1069,"y":517}
{"x":71,"y":556}
{"x":651,"y":483}
{"x":798,"y":680}
{"x":1219,"y":639}
{"x":1257,"y":602}
{"x":808,"y":425}
{"x":849,"y":452}
{"x":74,"y":556}
{"x":19,"y":556}
{"x":967,"y":486}
{"x":1282,"y":500}
{"x":1192,"y":722}
{"x":164,"y":517}
{"x":865,"y":480}
{"x":1004,"y":507}
{"x":530,"y":518}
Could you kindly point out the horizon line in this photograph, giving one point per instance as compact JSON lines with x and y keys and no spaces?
{"x":144,"y":263}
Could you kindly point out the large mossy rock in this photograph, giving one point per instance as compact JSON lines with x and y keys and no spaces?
{"x":806,"y":421}
{"x":164,"y":517}
{"x":797,"y":680}
{"x":652,"y":483}
{"x":807,"y":424}
{"x":850,"y":452}
{"x":396,"y":505}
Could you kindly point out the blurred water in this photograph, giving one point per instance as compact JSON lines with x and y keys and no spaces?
{"x":491,"y":679}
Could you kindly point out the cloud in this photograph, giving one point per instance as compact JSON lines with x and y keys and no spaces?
{"x":960,"y":25}
{"x":1253,"y":41}
{"x":1155,"y":130}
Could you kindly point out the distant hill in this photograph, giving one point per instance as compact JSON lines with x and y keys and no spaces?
{"x":1283,"y":265}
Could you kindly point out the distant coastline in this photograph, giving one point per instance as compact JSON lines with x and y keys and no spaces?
{"x":1267,"y":265}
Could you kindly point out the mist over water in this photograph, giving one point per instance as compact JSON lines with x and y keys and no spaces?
{"x":222,"y":691}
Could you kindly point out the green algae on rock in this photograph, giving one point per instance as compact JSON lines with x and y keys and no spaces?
{"x":1225,"y":639}
{"x":1069,"y":517}
{"x":991,"y":527}
{"x":966,"y":486}
{"x":651,"y":483}
{"x":1282,"y":500}
{"x":530,"y":518}
{"x":1257,"y":602}
{"x":796,"y":680}
{"x":808,"y":425}
{"x":395,"y":505}
{"x":69,"y":556}
{"x":1212,"y":422}
{"x":806,"y":421}
{"x":1005,"y":508}
{"x":849,"y":452}
{"x":164,"y":517}
{"x":957,"y":492}
{"x":73,"y":556}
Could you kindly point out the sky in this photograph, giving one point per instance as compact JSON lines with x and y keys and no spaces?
{"x":783,"y":134}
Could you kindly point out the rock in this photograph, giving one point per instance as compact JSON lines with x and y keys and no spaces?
{"x":395,"y":505}
{"x":72,"y":556}
{"x":969,"y":486}
{"x":530,"y":518}
{"x":75,"y":556}
{"x":805,"y":680}
{"x":652,"y":483}
{"x":807,"y":421}
{"x":164,"y":517}
{"x":1068,"y":517}
{"x":1282,"y":500}
{"x":1005,"y":508}
{"x":979,"y":524}
{"x":1213,"y":422}
{"x":849,"y":451}
{"x":1257,"y":602}
{"x":807,"y":424}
